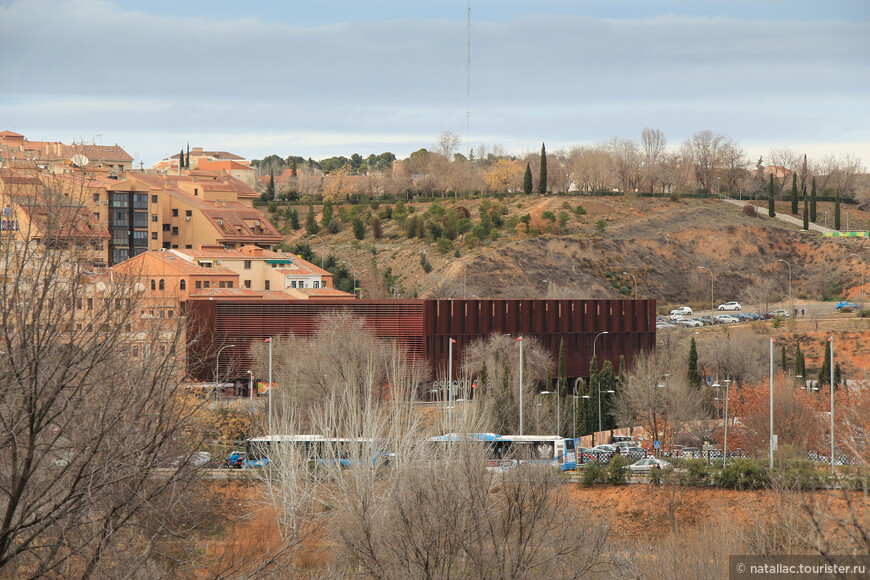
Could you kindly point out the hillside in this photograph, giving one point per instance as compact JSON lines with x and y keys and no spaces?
{"x":661,"y":242}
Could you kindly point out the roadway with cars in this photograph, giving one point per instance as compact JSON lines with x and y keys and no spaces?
{"x":806,"y":310}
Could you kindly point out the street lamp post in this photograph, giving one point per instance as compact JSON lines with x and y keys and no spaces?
{"x":831,"y":340}
{"x":520,"y":339}
{"x":250,"y":384}
{"x":862,"y":277}
{"x":791,"y":306}
{"x":598,"y":381}
{"x":711,"y":287}
{"x":354,"y":275}
{"x":772,"y":340}
{"x":574,"y":408}
{"x":269,"y":340}
{"x":558,"y":410}
{"x":450,"y":384}
{"x":635,"y":283}
{"x":826,"y":220}
{"x":217,"y":371}
{"x":322,"y":248}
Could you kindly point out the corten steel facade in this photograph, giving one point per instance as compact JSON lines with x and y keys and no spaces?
{"x":424,"y":327}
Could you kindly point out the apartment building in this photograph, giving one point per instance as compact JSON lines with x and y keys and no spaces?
{"x":57,"y":157}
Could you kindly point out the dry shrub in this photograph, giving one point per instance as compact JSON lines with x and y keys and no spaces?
{"x":750,"y":210}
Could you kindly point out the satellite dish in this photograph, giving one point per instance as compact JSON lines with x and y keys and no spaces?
{"x":79,"y":160}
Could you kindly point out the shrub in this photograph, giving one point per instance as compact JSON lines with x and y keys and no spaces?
{"x":600,"y":226}
{"x":697,"y":472}
{"x":750,"y":210}
{"x":359,"y":228}
{"x":617,"y":470}
{"x":444,"y":245}
{"x":743,"y":473}
{"x":377,"y":229}
{"x":803,"y":474}
{"x":592,"y":473}
{"x":549,"y":216}
{"x":580,"y":210}
{"x":846,"y":309}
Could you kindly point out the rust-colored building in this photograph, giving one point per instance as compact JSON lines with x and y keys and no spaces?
{"x":424,"y":327}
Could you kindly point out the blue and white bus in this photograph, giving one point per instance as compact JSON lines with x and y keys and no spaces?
{"x":508,"y":451}
{"x":310,"y":449}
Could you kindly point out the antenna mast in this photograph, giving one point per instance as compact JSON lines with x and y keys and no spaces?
{"x":468,"y":86}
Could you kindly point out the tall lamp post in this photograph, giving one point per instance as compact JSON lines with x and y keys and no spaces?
{"x":269,"y":340}
{"x":322,"y":248}
{"x":791,"y":306}
{"x":250,"y":384}
{"x":831,"y":340}
{"x":354,"y":275}
{"x":217,"y":388}
{"x":711,"y":287}
{"x":635,"y":283}
{"x":598,"y":381}
{"x":520,"y":339}
{"x":450,"y":384}
{"x":574,"y":407}
{"x":772,"y":340}
{"x":862,"y":277}
{"x":558,"y":410}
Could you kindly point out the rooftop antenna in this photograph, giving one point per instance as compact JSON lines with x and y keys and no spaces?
{"x":468,"y":86}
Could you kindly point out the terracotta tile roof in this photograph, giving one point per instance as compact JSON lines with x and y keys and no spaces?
{"x":10,"y":134}
{"x":215,"y":154}
{"x":72,"y":222}
{"x":323,"y":293}
{"x":225,"y":164}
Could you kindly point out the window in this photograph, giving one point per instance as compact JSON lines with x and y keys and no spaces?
{"x":97,"y":197}
{"x":188,"y":246}
{"x":268,"y":285}
{"x":79,"y":303}
{"x":153,"y":235}
{"x":153,"y":199}
{"x":153,"y":285}
{"x":166,"y":227}
{"x":171,"y":313}
{"x":198,"y":284}
{"x":223,"y":284}
{"x":162,"y":285}
{"x":230,"y":284}
{"x":90,"y":303}
{"x":247,"y":264}
{"x":166,"y":245}
{"x":188,"y":213}
{"x":316,"y":284}
{"x":293,"y":284}
{"x":206,"y":284}
{"x":97,"y":215}
{"x":175,"y":213}
{"x":247,"y":283}
{"x":182,"y":285}
{"x":135,"y":351}
{"x":154,"y":217}
{"x":128,"y":327}
{"x":175,"y":231}
{"x":182,"y":308}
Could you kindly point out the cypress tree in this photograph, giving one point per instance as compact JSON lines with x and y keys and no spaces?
{"x":527,"y":180}
{"x":294,"y":219}
{"x":693,"y":375}
{"x":542,"y":183}
{"x":838,"y":377}
{"x":270,"y":189}
{"x":591,"y":414}
{"x":837,"y":211}
{"x":187,"y":161}
{"x":482,"y":379}
{"x":771,"y":207}
{"x":813,"y":202}
{"x":799,"y":363}
{"x":794,"y":198}
{"x":607,"y":380}
{"x":181,"y":159}
{"x":293,"y":169}
{"x":623,"y":369}
{"x":806,"y":215}
{"x":326,"y":217}
{"x":563,"y":375}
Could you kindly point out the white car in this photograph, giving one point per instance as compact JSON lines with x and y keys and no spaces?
{"x":680,"y":312}
{"x":733,"y":305}
{"x":726,"y":319}
{"x":648,"y":464}
{"x":690,"y":322}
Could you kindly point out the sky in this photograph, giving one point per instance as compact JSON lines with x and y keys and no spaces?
{"x":337,"y":77}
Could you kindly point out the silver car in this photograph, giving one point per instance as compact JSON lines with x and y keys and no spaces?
{"x":647,"y":465}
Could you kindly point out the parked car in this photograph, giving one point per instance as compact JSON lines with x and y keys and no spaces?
{"x":706,"y":319}
{"x":748,"y":316}
{"x":846,"y":304}
{"x":726,"y":319}
{"x":634,"y":452}
{"x":681,"y":312}
{"x":690,"y":322}
{"x":733,"y":305}
{"x":778,"y":314}
{"x":648,"y":464}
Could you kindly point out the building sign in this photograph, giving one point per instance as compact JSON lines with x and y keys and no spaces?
{"x":9,"y":225}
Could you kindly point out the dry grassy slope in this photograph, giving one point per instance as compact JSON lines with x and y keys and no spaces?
{"x":660,"y":241}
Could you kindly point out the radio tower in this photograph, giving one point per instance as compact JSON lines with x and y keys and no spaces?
{"x":468,"y":87}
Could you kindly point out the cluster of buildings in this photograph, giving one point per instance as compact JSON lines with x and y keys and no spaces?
{"x":185,"y":233}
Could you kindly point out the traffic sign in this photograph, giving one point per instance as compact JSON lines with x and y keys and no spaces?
{"x":657,"y":445}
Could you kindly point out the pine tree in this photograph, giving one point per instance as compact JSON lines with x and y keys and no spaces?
{"x":592,"y":406}
{"x":542,"y":182}
{"x":482,"y":380}
{"x":794,"y":197}
{"x":800,"y":364}
{"x":326,"y":217}
{"x":293,"y":169}
{"x":693,"y":375}
{"x":294,"y":219}
{"x":813,"y":202}
{"x":837,"y":211}
{"x":607,"y":382}
{"x":527,"y":180}
{"x":310,"y":223}
{"x":838,"y":377}
{"x":771,"y":207}
{"x":562,"y":383}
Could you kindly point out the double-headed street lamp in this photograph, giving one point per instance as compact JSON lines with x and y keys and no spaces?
{"x":598,"y":380}
{"x":558,"y":409}
{"x":711,"y":287}
{"x":520,"y":340}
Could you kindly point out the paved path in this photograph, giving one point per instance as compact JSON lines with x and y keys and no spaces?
{"x":780,"y":216}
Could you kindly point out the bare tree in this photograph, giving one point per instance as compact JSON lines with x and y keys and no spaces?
{"x":704,"y":150}
{"x":785,"y":158}
{"x":89,"y":405}
{"x":626,"y":159}
{"x":654,"y":143}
